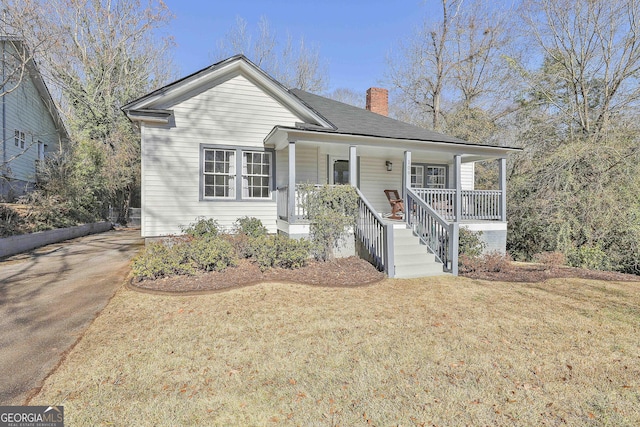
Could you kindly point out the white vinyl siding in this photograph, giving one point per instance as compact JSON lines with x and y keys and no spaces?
{"x":234,"y":112}
{"x":307,"y":161}
{"x":374,"y":179}
{"x":467,"y":176}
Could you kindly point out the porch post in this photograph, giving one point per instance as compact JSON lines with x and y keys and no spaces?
{"x":454,"y":246}
{"x":291,"y":209}
{"x":353,"y":163}
{"x":406,"y":176}
{"x":457,"y":204}
{"x":503,"y":188}
{"x":454,"y":229}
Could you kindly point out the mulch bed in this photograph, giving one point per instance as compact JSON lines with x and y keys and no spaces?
{"x":351,"y":272}
{"x":532,"y":273}
{"x":345,"y":272}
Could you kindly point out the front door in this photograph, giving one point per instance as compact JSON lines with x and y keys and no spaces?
{"x":338,"y":171}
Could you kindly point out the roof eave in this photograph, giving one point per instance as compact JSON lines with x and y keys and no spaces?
{"x":281,"y":135}
{"x":150,"y":116}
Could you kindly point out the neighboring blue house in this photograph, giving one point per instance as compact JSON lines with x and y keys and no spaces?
{"x":31,"y":124}
{"x":230,"y":141}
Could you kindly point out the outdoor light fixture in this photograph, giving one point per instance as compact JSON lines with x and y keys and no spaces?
{"x":389,"y":165}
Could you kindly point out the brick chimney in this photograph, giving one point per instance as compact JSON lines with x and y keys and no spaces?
{"x":378,"y":100}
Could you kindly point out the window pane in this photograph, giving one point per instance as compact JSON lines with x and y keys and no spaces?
{"x":256,"y":177}
{"x":436,"y":177}
{"x":218,"y":167}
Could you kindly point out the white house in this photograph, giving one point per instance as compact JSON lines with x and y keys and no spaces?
{"x":31,"y":125}
{"x":229,"y":141}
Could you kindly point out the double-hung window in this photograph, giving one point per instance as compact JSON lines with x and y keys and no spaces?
{"x":417,"y":176}
{"x":256,"y":174}
{"x":236,"y":174}
{"x":219,"y":173}
{"x":19,"y":138}
{"x":436,"y":176}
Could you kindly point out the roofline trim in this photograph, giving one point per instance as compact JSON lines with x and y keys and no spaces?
{"x":229,"y":65}
{"x":304,"y":132}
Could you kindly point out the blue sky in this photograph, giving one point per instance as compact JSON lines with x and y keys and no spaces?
{"x":353,"y":36}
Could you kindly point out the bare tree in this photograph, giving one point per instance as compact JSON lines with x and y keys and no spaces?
{"x":348,"y":96}
{"x":448,"y":69}
{"x":295,"y":64}
{"x":592,"y":59}
{"x":101,"y":54}
{"x":420,"y":70}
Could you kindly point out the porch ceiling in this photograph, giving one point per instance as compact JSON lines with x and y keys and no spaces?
{"x":338,"y":144}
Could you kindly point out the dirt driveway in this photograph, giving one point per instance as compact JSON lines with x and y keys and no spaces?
{"x":48,"y":297}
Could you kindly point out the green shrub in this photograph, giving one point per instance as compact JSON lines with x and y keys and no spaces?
{"x":332,"y":211}
{"x":161,"y":259}
{"x":247,"y":232}
{"x":183,"y":256}
{"x":470,"y":243}
{"x":212,"y":253}
{"x":202,"y":227}
{"x":591,"y":257}
{"x":250,"y":226}
{"x":281,"y":251}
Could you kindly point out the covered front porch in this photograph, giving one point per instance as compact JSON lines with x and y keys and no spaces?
{"x":435,"y":182}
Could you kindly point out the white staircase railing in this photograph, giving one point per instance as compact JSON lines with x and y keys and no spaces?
{"x":440,"y":236}
{"x":375,"y":236}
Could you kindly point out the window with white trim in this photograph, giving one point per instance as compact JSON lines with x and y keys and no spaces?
{"x":219,"y":170}
{"x":436,"y":176}
{"x":417,"y":176}
{"x":19,"y":138}
{"x":256,"y":175}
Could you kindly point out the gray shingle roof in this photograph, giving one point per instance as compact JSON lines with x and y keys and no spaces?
{"x":357,"y":121}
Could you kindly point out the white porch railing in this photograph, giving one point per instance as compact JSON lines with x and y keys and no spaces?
{"x":299,"y":211}
{"x":373,"y":233}
{"x":475,"y":204}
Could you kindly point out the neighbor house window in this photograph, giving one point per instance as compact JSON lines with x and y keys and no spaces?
{"x":41,"y":146}
{"x":436,"y":176}
{"x":19,"y":138}
{"x":256,"y":174}
{"x":219,"y":173}
{"x":417,"y":176}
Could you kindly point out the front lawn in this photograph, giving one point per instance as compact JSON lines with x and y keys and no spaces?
{"x":436,"y":351}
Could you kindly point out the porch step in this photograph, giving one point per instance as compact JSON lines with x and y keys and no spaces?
{"x":412,"y":258}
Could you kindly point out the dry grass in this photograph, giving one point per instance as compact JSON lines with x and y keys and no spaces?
{"x":440,"y":351}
